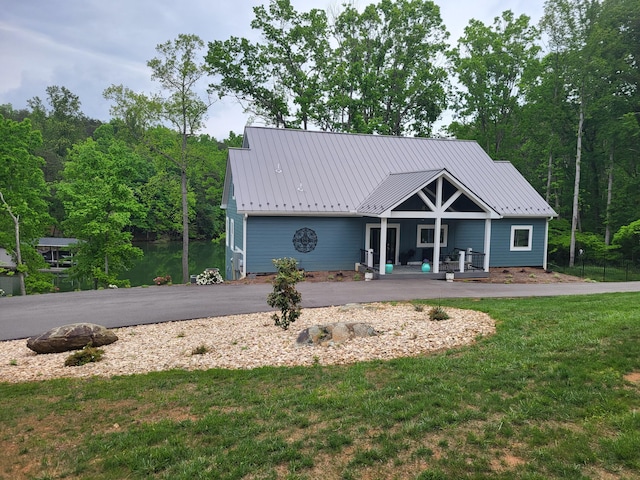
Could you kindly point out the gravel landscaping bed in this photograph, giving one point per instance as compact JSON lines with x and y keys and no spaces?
{"x":252,"y":341}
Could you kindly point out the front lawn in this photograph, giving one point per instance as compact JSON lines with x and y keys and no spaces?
{"x":554,"y":394}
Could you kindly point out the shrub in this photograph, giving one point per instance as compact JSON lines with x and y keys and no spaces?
{"x":438,"y":313}
{"x":284,"y":295}
{"x":88,"y":354}
{"x":162,"y":280}
{"x":200,"y":350}
{"x":210,"y":276}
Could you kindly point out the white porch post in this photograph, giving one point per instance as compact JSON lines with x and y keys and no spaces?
{"x":436,"y":244}
{"x":437,"y":227}
{"x":487,"y":243}
{"x":383,"y":244}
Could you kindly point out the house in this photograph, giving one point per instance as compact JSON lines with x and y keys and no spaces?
{"x":333,"y":200}
{"x":57,"y":252}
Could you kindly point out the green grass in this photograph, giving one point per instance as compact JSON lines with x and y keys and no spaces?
{"x":544,"y":398}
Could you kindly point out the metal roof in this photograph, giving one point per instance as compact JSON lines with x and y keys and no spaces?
{"x":287,"y":171}
{"x":395,"y":188}
{"x":56,"y":242}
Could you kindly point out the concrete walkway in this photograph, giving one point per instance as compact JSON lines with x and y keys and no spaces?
{"x":22,"y":317}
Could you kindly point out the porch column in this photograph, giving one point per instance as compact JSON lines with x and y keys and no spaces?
{"x":437,"y":227}
{"x":487,"y":243}
{"x":383,"y":245}
{"x":436,"y":244}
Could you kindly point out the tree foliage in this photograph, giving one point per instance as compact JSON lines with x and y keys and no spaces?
{"x":375,"y":71}
{"x":494,"y":65}
{"x":100,"y":206}
{"x":23,"y":206}
{"x":179,"y":105}
{"x":285,"y":297}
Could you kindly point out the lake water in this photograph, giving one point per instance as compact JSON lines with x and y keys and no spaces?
{"x":166,"y":259}
{"x":163,"y":258}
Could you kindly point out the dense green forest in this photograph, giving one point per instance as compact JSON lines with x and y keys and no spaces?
{"x":558,"y":99}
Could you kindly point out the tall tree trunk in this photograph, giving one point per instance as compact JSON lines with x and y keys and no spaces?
{"x":607,"y":232}
{"x":16,"y":224}
{"x":23,"y":289}
{"x":185,"y":210}
{"x":576,"y":188}
{"x":547,"y":196}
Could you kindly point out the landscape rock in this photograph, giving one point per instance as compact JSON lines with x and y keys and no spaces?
{"x":71,"y":337}
{"x":334,"y":333}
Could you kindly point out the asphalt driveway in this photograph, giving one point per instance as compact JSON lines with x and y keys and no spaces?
{"x":22,"y":317}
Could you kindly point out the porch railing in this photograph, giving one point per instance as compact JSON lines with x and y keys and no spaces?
{"x":367,"y":256}
{"x":472,"y":260}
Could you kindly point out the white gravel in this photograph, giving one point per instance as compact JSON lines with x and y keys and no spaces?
{"x":251,"y":341}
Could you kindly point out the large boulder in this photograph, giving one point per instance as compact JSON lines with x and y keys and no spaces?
{"x":71,"y":337}
{"x":334,"y":333}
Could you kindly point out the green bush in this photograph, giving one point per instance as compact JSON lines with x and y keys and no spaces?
{"x":88,"y":354}
{"x":285,"y":296}
{"x":438,"y":313}
{"x":591,"y":244}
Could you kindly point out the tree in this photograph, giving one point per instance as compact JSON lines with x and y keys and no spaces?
{"x":100,"y":205}
{"x":384,"y":75}
{"x":62,"y":124}
{"x":569,"y":24}
{"x":374,"y":72}
{"x":23,"y":209}
{"x":492,"y":66}
{"x":179,"y":73}
{"x":277,"y":78}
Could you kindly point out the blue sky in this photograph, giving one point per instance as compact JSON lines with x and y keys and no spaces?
{"x":88,"y":45}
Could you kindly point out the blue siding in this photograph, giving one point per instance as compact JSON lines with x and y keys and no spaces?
{"x":501,"y":254}
{"x":338,"y":246}
{"x":469,"y":234}
{"x":236,"y":236}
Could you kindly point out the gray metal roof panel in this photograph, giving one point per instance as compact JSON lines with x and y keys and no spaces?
{"x":56,"y":242}
{"x":395,"y":188}
{"x":288,"y":171}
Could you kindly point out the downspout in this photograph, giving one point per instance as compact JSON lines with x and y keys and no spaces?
{"x":546,"y":243}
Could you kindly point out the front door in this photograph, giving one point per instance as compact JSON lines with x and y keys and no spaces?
{"x":393,"y":240}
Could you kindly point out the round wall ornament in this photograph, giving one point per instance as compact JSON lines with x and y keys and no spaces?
{"x":305,"y":240}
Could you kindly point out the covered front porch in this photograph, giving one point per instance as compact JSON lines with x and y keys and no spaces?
{"x":426,"y":224}
{"x":469,"y":265}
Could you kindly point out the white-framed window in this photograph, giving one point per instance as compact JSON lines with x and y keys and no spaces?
{"x":232,"y":234}
{"x":521,"y":238}
{"x":426,"y":237}
{"x":226,"y":237}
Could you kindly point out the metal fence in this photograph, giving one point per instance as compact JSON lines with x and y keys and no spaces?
{"x":601,"y":269}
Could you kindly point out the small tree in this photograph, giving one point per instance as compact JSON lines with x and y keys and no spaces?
{"x":284,"y":295}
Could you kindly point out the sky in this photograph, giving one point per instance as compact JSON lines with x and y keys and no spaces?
{"x":88,"y":45}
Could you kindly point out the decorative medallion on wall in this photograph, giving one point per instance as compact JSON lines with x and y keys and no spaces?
{"x":305,"y":240}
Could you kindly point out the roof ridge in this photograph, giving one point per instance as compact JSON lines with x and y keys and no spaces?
{"x":358,"y":134}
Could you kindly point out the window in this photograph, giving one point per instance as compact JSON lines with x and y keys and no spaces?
{"x":232,"y":234}
{"x":521,"y":236}
{"x":426,"y":235}
{"x":226,"y":237}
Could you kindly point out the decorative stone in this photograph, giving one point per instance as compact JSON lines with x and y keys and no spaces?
{"x":334,"y":333}
{"x":71,"y":337}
